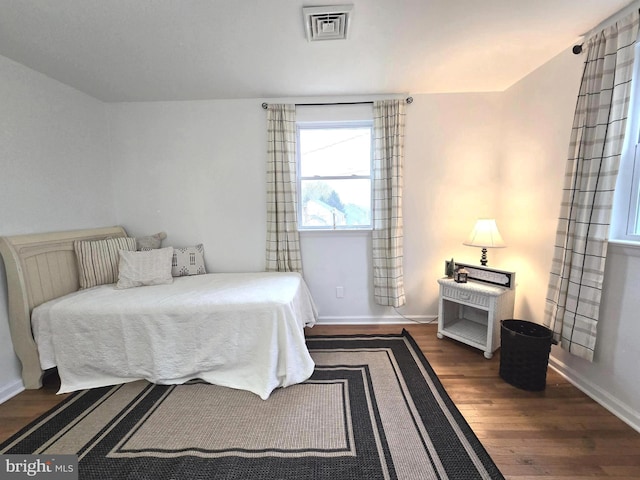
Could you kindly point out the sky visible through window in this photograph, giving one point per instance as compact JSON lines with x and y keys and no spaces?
{"x":332,"y":164}
{"x":337,"y":152}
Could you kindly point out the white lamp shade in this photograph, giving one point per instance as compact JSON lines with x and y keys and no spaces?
{"x":485,"y":234}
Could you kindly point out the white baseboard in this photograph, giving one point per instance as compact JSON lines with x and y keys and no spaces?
{"x":621,"y":410}
{"x":376,"y":320}
{"x":11,"y":390}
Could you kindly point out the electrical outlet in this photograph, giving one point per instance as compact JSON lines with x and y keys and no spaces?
{"x":339,"y":292}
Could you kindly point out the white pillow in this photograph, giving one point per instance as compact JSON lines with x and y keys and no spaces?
{"x":150,"y":267}
{"x":188,"y":261}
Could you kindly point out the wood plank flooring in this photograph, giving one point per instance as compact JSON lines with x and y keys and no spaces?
{"x":559,"y":433}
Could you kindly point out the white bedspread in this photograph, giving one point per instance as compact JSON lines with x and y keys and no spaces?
{"x":242,"y":331}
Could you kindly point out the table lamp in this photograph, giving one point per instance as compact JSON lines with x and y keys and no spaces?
{"x":485,"y":234}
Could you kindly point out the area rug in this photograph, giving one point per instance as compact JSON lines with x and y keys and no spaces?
{"x":373,"y":409}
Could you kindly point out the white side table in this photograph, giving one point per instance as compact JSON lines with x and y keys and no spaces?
{"x":471,"y":313}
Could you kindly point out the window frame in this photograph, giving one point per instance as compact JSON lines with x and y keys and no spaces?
{"x":625,"y":221}
{"x":328,"y":125}
{"x":633,"y":222}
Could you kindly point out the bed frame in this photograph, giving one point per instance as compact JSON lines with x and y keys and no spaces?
{"x":40,"y":267}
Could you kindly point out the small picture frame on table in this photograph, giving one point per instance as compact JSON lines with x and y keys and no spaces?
{"x":461,"y":275}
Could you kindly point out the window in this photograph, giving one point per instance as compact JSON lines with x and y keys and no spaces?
{"x":631,"y":223}
{"x":625,"y":219}
{"x":334,"y":175}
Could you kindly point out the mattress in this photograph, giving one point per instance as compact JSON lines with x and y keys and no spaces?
{"x":243,"y":331}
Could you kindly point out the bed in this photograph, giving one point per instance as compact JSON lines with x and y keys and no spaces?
{"x":242,"y":331}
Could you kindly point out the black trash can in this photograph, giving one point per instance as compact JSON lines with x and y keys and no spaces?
{"x":524,"y":353}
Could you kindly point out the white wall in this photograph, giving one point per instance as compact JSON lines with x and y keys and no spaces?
{"x":55,"y":172}
{"x":537,"y":123}
{"x":535,"y":141}
{"x":197,"y":171}
{"x":451,"y":178}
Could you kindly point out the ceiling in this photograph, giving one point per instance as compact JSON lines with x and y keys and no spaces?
{"x":144,"y":50}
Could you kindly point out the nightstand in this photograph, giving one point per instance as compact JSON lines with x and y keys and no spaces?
{"x":471,"y":312}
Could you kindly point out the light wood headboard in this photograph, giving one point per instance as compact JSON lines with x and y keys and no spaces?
{"x":40,"y":267}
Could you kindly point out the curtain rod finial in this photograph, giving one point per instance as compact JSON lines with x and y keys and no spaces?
{"x":409,"y":100}
{"x":577,"y":49}
{"x":265,"y":105}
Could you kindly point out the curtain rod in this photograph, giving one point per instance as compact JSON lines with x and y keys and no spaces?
{"x":265,"y":105}
{"x":577,"y":49}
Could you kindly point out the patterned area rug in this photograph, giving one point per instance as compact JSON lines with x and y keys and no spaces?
{"x":373,"y":409}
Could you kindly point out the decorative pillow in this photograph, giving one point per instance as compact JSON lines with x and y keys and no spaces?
{"x":150,"y":241}
{"x":98,"y":259}
{"x":150,"y":267}
{"x":188,"y":261}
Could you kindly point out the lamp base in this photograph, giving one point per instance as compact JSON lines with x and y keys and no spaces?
{"x":483,"y":258}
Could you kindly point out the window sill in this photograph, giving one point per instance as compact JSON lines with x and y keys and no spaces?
{"x":624,"y":243}
{"x":625,"y":247}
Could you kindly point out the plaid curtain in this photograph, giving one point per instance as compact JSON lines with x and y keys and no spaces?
{"x":283,"y":240}
{"x":577,"y":271}
{"x":388,"y":126}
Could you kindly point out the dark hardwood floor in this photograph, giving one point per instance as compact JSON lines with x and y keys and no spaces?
{"x":559,"y":433}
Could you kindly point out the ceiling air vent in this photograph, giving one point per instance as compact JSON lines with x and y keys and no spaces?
{"x":327,"y":23}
